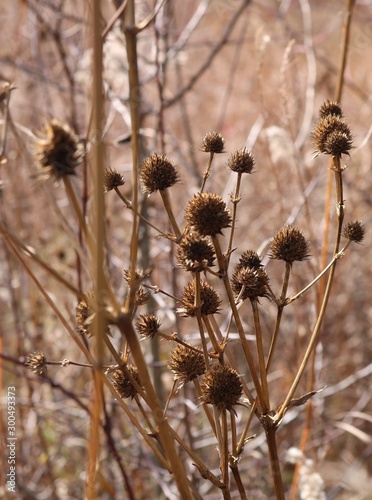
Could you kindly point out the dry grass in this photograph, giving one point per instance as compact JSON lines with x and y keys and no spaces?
{"x":259,"y":80}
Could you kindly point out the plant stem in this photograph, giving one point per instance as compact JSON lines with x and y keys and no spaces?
{"x":261,"y":357}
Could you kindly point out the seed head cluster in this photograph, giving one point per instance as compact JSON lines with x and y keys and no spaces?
{"x":59,"y":151}
{"x":37,"y":363}
{"x":354,"y":231}
{"x":148,"y":325}
{"x":213,"y":142}
{"x":221,"y":387}
{"x":186,"y":364}
{"x":209,"y":298}
{"x":195,"y":253}
{"x":123,"y":384}
{"x":332,"y":135}
{"x":241,"y":161}
{"x":113,"y":179}
{"x":207,"y":214}
{"x":157,"y":173}
{"x":290,"y":245}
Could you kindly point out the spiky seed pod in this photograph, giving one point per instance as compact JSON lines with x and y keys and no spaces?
{"x":221,"y":387}
{"x":213,"y":142}
{"x":290,"y":245}
{"x":186,"y":364}
{"x":59,"y":152}
{"x":157,"y":173}
{"x":330,"y":108}
{"x":148,"y":325}
{"x":195,"y":253}
{"x":37,"y":363}
{"x":332,"y":136}
{"x":354,"y":231}
{"x":254,"y":281}
{"x":141,"y":296}
{"x":251,"y":259}
{"x":207,"y":214}
{"x":209,"y":298}
{"x":113,"y":179}
{"x":82,"y":314}
{"x":241,"y":161}
{"x":138,"y":277}
{"x":123,"y":384}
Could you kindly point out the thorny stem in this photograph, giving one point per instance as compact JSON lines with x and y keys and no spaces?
{"x":281,"y":304}
{"x":130,"y":33}
{"x":336,"y":166}
{"x":337,"y":256}
{"x":198,"y":315}
{"x":235,"y":198}
{"x":243,"y":437}
{"x":261,"y":357}
{"x":224,"y":451}
{"x":222,"y":265}
{"x":207,"y":171}
{"x":167,"y":205}
{"x":205,"y":406}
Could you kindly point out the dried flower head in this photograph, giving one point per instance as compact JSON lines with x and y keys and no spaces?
{"x":354,"y":231}
{"x":186,"y":364}
{"x":37,"y":363}
{"x":141,"y":296}
{"x":138,"y":277}
{"x":221,"y":387}
{"x":209,"y":299}
{"x":113,"y":179}
{"x":84,"y":315}
{"x":249,"y":283}
{"x":123,"y":384}
{"x":213,"y":142}
{"x":59,"y":152}
{"x":207,"y":214}
{"x":330,"y":108}
{"x":289,"y":244}
{"x":241,"y":161}
{"x":332,"y":136}
{"x":250,"y":258}
{"x":148,"y":325}
{"x":157,"y":173}
{"x":195,"y":253}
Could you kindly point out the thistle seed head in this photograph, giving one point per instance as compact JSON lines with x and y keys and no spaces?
{"x":59,"y":151}
{"x":330,"y":108}
{"x":141,"y":296}
{"x":37,"y":363}
{"x":113,"y":179}
{"x":186,"y":364}
{"x":195,"y":253}
{"x":251,"y":259}
{"x":332,"y":136}
{"x":148,"y":325}
{"x":123,"y":384}
{"x":221,"y":387}
{"x":207,"y":214}
{"x":209,"y":298}
{"x":254,"y":281}
{"x":157,"y":173}
{"x":289,"y":244}
{"x":241,"y":161}
{"x":213,"y":142}
{"x":354,"y":231}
